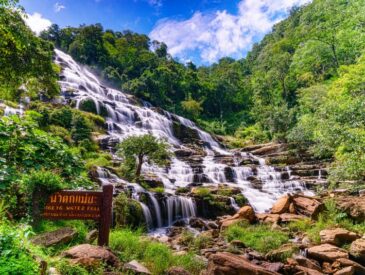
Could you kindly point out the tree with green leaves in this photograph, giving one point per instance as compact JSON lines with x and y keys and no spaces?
{"x":137,"y":150}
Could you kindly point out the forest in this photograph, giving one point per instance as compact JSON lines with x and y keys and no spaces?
{"x":301,"y":87}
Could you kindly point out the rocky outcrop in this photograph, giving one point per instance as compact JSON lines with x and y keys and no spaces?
{"x":59,"y":236}
{"x":91,"y":255}
{"x":230,"y":264}
{"x":326,"y":252}
{"x":357,"y":250}
{"x":337,"y":236}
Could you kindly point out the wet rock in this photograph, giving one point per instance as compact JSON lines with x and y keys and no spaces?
{"x":281,"y":205}
{"x":337,"y":236}
{"x":229,"y":173}
{"x":153,"y":181}
{"x":197,"y":223}
{"x":59,"y":236}
{"x":179,"y":223}
{"x":177,"y":271}
{"x":136,"y":267}
{"x":326,"y":252}
{"x":185,"y":134}
{"x":357,"y":250}
{"x":230,"y":264}
{"x":91,"y":255}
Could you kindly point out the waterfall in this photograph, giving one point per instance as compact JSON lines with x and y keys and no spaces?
{"x":234,"y":204}
{"x":127,"y":116}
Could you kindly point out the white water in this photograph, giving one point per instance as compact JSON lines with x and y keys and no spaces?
{"x":126,"y":118}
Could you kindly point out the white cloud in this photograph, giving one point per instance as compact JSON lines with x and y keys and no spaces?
{"x":58,"y":7}
{"x":155,"y":3}
{"x":36,"y":22}
{"x":219,"y":34}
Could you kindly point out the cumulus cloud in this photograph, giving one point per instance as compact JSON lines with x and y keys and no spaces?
{"x":58,"y":7}
{"x":37,"y":22}
{"x":219,"y":34}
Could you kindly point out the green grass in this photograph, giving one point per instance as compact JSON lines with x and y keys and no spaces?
{"x":259,"y":237}
{"x":157,"y":257}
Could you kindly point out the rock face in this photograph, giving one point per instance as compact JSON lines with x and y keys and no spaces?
{"x":326,"y":252}
{"x":230,"y":264}
{"x":88,"y":255}
{"x":62,"y":235}
{"x":337,"y":236}
{"x":281,"y":206}
{"x":357,"y":250}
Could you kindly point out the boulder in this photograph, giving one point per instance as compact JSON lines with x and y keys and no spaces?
{"x":275,"y":267}
{"x":87,"y":254}
{"x":197,"y":223}
{"x":343,"y":262}
{"x":281,"y":205}
{"x":307,"y":206}
{"x":59,"y":236}
{"x":357,"y":250}
{"x":177,"y":271}
{"x":337,"y":236}
{"x":326,"y":252}
{"x":283,"y":252}
{"x":246,"y":213}
{"x":136,"y":267}
{"x":230,"y":264}
{"x":228,"y":222}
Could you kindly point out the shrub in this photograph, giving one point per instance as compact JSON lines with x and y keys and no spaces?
{"x":128,"y":212}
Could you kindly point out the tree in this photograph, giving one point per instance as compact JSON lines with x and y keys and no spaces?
{"x":137,"y":150}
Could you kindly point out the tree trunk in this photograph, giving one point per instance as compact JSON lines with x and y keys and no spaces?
{"x":139,"y":166}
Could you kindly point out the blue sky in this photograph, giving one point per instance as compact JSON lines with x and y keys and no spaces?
{"x":201,"y":31}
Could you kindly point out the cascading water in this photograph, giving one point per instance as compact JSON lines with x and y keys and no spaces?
{"x":126,"y":116}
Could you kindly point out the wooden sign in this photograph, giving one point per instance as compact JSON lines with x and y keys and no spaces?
{"x":83,"y":205}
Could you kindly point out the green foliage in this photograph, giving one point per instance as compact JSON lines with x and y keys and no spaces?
{"x":14,"y":251}
{"x":259,"y":237}
{"x":128,"y":212}
{"x":136,"y":150}
{"x":129,"y":245}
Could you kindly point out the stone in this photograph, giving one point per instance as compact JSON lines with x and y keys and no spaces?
{"x":88,"y":255}
{"x":197,"y":223}
{"x":275,"y":267}
{"x":326,"y":252}
{"x":228,"y":222}
{"x":343,"y":262}
{"x":177,"y":271}
{"x":230,"y":264}
{"x":337,"y":236}
{"x":307,"y":271}
{"x":59,"y":236}
{"x":238,"y":244}
{"x":292,"y":208}
{"x":308,"y":263}
{"x":357,"y":250}
{"x":281,"y":205}
{"x":307,"y":206}
{"x":354,"y":206}
{"x":136,"y":267}
{"x":268,"y":218}
{"x":91,"y":236}
{"x":346,"y":271}
{"x":247,"y":213}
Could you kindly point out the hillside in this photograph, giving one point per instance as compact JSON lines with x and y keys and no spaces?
{"x":253,"y":165}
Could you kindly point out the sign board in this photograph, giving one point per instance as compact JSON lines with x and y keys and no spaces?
{"x":83,"y":205}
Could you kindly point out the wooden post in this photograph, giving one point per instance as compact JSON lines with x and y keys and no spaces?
{"x":105,"y":215}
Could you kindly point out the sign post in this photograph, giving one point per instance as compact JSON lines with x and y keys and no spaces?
{"x":83,"y":205}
